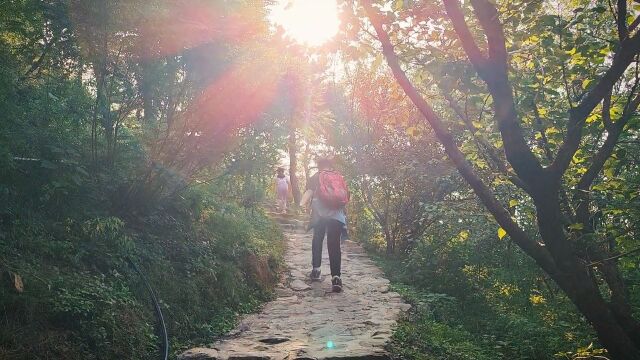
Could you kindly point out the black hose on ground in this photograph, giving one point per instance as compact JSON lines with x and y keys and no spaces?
{"x":157,"y":307}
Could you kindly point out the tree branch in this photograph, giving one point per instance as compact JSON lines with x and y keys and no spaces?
{"x":487,"y":15}
{"x":606,"y":149}
{"x":502,"y":216}
{"x":629,"y":48}
{"x":613,"y":257}
{"x":493,"y":72}
{"x":35,"y":65}
{"x":621,"y":20}
{"x":469,"y":45}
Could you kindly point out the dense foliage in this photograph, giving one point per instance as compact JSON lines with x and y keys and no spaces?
{"x":105,"y":168}
{"x":535,"y":105}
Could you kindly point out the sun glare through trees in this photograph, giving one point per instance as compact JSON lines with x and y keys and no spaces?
{"x":310,"y":22}
{"x":488,"y":153}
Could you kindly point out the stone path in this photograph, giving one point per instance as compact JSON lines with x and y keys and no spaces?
{"x":307,"y":320}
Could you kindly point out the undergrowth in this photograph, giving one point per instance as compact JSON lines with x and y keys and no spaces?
{"x":207,"y":260}
{"x":469,"y":319}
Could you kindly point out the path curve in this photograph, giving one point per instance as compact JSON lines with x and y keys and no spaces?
{"x":307,"y":320}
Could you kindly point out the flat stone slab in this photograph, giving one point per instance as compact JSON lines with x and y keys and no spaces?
{"x":308,"y":321}
{"x":299,"y":285}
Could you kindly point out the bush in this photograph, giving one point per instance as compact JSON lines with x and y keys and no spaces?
{"x":82,"y":300}
{"x":475,"y":297}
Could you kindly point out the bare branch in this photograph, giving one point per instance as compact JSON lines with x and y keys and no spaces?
{"x":613,"y":257}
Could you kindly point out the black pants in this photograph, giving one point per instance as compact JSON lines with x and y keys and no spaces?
{"x":332,"y":228}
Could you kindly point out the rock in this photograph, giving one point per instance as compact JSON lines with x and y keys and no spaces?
{"x":199,"y":354}
{"x":299,"y":285}
{"x":249,"y":356}
{"x":274,"y":340}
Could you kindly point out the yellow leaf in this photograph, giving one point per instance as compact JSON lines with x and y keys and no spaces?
{"x":463,"y":235}
{"x":537,"y":299}
{"x":501,"y":233}
{"x":586,"y":83}
{"x":593,"y":117}
{"x":513,"y":202}
{"x":552,"y":130}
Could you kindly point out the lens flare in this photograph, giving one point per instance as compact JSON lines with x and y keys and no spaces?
{"x":310,"y":22}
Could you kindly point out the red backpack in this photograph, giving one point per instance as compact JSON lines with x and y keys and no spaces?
{"x":332,"y":189}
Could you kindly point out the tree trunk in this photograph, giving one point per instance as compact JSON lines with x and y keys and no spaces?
{"x":293,"y":166}
{"x":574,"y":279}
{"x":583,"y":292}
{"x":390,"y":241}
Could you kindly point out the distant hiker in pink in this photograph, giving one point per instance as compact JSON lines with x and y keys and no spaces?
{"x":283,"y":188}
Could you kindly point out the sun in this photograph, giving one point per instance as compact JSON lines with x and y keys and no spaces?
{"x":310,"y":22}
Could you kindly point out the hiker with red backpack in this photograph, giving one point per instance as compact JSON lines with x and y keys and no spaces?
{"x":329,"y":195}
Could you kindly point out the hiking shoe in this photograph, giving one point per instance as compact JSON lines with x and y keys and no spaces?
{"x":336,"y":284}
{"x":315,"y":274}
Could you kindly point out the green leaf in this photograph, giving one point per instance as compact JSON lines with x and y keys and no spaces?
{"x":609,"y":172}
{"x":576,"y":226}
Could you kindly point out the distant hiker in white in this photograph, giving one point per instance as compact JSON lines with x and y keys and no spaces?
{"x":283,"y":189}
